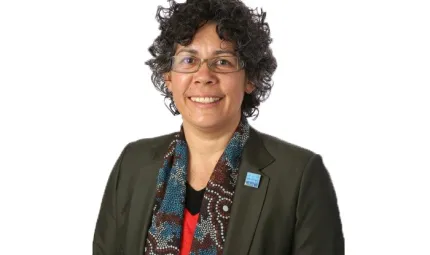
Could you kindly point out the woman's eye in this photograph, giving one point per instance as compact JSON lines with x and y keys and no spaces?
{"x":223,"y":62}
{"x":188,"y":60}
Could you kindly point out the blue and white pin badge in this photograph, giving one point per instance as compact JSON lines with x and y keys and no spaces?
{"x":252,"y":180}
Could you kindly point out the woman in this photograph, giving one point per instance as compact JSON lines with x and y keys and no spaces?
{"x":217,"y":186}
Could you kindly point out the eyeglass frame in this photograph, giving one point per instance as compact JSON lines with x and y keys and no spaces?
{"x":241,"y":64}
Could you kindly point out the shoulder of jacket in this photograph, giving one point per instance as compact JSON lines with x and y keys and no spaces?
{"x":150,"y":142}
{"x":284,"y":150}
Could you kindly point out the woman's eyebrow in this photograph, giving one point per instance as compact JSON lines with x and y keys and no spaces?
{"x":217,"y":52}
{"x":188,"y":50}
{"x":220,"y":52}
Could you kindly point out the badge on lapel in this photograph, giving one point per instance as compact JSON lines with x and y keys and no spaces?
{"x":252,"y":180}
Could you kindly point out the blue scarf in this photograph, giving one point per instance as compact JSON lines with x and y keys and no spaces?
{"x":165,"y":233}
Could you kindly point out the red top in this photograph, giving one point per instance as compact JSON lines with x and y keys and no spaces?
{"x":190,"y":223}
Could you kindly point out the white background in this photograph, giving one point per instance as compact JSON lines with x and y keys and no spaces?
{"x":352,"y":85}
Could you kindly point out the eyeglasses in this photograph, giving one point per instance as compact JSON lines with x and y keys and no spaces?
{"x":220,"y":64}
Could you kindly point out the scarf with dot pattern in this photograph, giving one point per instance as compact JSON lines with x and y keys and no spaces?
{"x":165,"y":232}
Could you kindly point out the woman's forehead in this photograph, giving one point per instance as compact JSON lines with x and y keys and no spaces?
{"x":207,"y":47}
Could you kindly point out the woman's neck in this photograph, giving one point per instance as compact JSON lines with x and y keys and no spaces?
{"x":207,"y":143}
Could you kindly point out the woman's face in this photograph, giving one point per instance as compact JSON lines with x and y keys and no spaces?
{"x":193,"y":93}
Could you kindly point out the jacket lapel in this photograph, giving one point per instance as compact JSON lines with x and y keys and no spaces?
{"x":248,"y":201}
{"x":143,"y":198}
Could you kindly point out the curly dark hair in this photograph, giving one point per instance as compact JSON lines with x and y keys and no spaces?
{"x":236,"y":23}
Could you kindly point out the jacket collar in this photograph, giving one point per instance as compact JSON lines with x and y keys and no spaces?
{"x":255,"y":154}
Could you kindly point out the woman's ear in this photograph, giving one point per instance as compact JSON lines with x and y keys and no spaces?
{"x":168,"y":81}
{"x":249,"y":87}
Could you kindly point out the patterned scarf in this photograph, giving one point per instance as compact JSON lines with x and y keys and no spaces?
{"x":164,"y":235}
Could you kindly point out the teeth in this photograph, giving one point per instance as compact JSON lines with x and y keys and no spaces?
{"x":205,"y":100}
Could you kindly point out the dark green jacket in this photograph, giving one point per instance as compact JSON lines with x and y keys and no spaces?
{"x":293,"y":211}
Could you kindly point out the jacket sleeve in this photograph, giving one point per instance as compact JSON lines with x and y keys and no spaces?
{"x":104,"y":239}
{"x":318,"y":225}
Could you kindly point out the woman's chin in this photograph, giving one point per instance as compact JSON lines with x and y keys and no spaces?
{"x":207,"y":121}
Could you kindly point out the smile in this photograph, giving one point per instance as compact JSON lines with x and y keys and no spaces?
{"x":205,"y":100}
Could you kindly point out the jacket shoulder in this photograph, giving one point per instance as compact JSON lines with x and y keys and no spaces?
{"x":285,"y":152}
{"x":149,"y":146}
{"x":291,"y":163}
{"x":140,"y":157}
{"x":290,"y":159}
{"x":139,"y":153}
